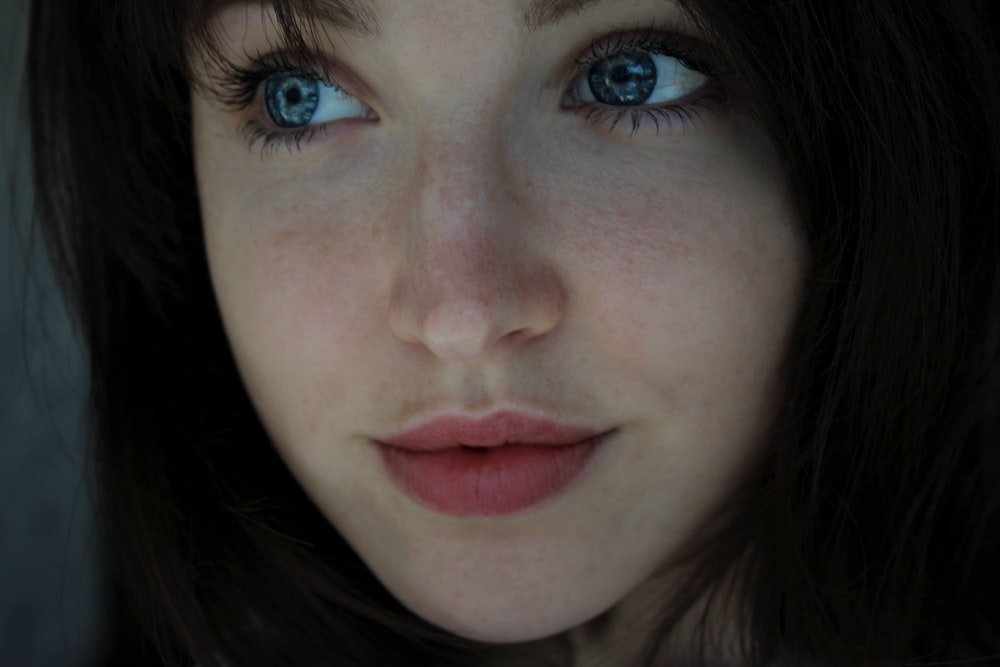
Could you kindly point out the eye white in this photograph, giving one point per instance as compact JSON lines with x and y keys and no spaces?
{"x":295,"y":101}
{"x":336,"y":104}
{"x":674,"y":82}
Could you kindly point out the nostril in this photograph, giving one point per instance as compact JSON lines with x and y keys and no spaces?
{"x":515,"y":337}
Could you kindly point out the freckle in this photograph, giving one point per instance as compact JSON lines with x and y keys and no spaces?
{"x":681,"y":250}
{"x":513,"y":197}
{"x":283,"y":237}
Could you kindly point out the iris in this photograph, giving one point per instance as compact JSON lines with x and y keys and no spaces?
{"x":625,"y":79}
{"x":291,"y":100}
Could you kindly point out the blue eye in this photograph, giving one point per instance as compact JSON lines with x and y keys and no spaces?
{"x":294,"y":101}
{"x":635,"y":78}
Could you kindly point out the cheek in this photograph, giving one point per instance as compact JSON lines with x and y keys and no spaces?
{"x":297,"y":287}
{"x":289,"y":253}
{"x":688,"y":270}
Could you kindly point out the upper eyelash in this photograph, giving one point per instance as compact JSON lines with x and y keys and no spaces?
{"x":236,"y":86}
{"x":650,"y":40}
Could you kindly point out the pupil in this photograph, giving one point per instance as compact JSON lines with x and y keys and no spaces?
{"x":291,"y":100}
{"x":620,"y":74}
{"x":625,"y":79}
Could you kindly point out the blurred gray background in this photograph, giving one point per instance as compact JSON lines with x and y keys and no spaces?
{"x":49,"y":597}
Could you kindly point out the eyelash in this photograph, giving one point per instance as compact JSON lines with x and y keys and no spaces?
{"x":238,"y":88}
{"x":654,"y":41}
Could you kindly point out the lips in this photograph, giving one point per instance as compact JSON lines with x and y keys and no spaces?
{"x":502,"y":464}
{"x":500,"y":429}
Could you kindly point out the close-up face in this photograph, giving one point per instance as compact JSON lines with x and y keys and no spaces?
{"x":510,"y":287}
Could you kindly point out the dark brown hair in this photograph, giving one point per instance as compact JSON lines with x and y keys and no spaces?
{"x":871,"y":533}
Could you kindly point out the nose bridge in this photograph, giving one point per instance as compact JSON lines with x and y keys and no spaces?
{"x":458,"y":199}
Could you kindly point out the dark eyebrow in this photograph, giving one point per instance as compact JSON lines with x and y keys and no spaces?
{"x":356,"y":16}
{"x":359,"y":16}
{"x":547,"y":12}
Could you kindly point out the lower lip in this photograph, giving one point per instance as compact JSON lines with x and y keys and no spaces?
{"x":466,"y":482}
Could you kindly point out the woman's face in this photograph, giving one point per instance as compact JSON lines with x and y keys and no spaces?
{"x":510,"y":284}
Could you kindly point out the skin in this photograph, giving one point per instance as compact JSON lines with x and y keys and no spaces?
{"x":475,"y":244}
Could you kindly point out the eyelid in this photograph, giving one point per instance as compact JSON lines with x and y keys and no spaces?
{"x":690,"y":51}
{"x":238,"y":87}
{"x":658,"y":37}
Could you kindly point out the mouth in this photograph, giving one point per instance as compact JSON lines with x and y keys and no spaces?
{"x":499,"y":465}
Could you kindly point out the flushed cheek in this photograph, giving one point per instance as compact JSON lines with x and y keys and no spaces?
{"x":296,"y":293}
{"x":686,"y":263}
{"x":688,"y":307}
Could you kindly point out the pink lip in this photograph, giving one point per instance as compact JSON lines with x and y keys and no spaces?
{"x":501,"y":464}
{"x":501,"y":428}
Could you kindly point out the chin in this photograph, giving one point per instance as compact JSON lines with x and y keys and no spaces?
{"x":495,"y":626}
{"x":508,"y":631}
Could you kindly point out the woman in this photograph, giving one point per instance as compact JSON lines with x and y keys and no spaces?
{"x":535,"y":332}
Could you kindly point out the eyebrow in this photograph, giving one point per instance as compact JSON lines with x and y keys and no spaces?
{"x":359,"y":16}
{"x":547,"y":12}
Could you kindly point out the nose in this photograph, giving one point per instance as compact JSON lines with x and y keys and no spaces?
{"x":472,"y":278}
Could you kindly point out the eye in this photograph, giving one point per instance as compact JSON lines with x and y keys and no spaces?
{"x":295,"y":101}
{"x":638,"y":78}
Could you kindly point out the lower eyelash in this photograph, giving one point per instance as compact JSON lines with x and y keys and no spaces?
{"x":270,"y":140}
{"x":685,"y":116}
{"x":237,"y":88}
{"x":651,"y":40}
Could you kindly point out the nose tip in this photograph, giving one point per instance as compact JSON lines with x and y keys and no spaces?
{"x":455,"y":325}
{"x":461,"y":330}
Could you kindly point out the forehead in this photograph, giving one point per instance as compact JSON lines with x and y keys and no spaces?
{"x":362,"y":16}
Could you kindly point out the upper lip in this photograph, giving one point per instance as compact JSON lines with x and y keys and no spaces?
{"x":494,"y":430}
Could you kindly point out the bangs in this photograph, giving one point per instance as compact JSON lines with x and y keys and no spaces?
{"x":161,"y":40}
{"x":294,"y":26}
